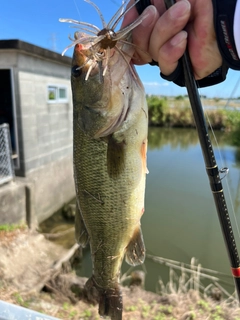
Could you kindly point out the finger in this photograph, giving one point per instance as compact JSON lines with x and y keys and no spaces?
{"x":141,"y":35}
{"x":130,"y":16}
{"x":168,"y":25}
{"x":171,"y":52}
{"x":202,"y":43}
{"x":160,"y":5}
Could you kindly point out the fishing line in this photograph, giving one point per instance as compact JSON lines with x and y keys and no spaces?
{"x":78,"y":11}
{"x":115,"y":2}
{"x":233,"y":91}
{"x":224,"y":169}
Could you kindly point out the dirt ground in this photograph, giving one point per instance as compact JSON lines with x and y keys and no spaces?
{"x":30,"y":277}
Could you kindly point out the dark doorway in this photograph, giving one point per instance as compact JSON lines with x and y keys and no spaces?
{"x":6,"y":106}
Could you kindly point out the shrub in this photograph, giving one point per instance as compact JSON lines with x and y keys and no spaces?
{"x":157,"y":110}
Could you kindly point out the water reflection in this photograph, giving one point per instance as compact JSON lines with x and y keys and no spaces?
{"x":159,"y":137}
{"x":183,"y":138}
{"x":237,"y":155}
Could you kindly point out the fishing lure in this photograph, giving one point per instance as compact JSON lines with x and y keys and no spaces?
{"x":96,"y":45}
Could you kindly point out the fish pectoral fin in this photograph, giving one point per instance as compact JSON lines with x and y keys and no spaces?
{"x":135,"y":252}
{"x":81,"y":233}
{"x":115,"y":157}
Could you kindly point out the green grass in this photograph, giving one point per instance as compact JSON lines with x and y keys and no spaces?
{"x":11,"y":227}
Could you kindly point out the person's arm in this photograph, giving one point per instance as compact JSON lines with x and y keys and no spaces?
{"x":236,"y":27}
{"x":224,"y":12}
{"x":162,"y":36}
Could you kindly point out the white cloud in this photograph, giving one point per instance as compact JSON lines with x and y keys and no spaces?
{"x":156,"y":84}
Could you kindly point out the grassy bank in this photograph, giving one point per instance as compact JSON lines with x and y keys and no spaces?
{"x":176,"y":113}
{"x":182,"y":298}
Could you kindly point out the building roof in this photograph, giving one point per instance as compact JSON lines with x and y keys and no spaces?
{"x":29,"y":48}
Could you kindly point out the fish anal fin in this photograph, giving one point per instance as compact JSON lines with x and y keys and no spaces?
{"x":115,"y":157}
{"x":135,"y":251}
{"x":81,"y":233}
{"x":109,"y":299}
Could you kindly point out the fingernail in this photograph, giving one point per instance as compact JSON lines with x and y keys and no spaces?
{"x":178,"y":38}
{"x":148,"y":15}
{"x":180,"y":9}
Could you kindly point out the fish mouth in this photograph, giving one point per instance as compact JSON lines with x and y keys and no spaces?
{"x":93,"y":59}
{"x":83,"y":62}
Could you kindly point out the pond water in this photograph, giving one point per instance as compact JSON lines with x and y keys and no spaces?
{"x":180,"y":219}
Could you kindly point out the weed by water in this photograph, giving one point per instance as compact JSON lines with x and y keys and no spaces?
{"x":11,"y":227}
{"x":146,"y":311}
{"x":131,"y":308}
{"x":217,"y":313}
{"x":70,"y":310}
{"x":66,"y":306}
{"x":86,"y":314}
{"x":203,"y":304}
{"x":72,"y":313}
{"x":20,"y":301}
{"x":160,"y":316}
{"x":166,"y":309}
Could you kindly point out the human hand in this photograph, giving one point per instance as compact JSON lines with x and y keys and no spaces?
{"x":161,"y":36}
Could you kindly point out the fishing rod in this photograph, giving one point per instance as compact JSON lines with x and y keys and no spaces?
{"x":209,"y":159}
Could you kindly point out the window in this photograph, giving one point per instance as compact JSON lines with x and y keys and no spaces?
{"x":62,"y":93}
{"x":52,"y":93}
{"x":57,"y":94}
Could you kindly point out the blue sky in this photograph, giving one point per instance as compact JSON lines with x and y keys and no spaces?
{"x":36,"y":21}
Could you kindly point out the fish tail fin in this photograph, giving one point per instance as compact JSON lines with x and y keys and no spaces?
{"x":109,"y":299}
{"x":110,"y":304}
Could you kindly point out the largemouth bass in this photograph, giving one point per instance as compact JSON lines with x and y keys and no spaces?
{"x":109,"y":148}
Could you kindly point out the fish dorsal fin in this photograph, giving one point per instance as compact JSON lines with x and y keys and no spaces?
{"x":135,"y":252}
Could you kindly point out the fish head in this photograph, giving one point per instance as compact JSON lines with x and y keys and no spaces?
{"x":103,"y":81}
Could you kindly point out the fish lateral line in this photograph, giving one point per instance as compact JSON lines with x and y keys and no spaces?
{"x":94,"y":197}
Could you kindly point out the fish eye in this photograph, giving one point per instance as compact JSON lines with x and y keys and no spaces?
{"x":76,"y":71}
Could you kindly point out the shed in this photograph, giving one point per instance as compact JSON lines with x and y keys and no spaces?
{"x":36,"y":102}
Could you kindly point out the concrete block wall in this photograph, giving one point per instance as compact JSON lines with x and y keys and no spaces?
{"x":44,"y":134}
{"x":13,"y":203}
{"x":52,"y":186}
{"x":46,"y":127}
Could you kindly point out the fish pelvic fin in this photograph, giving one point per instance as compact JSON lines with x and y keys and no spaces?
{"x":135,"y":251}
{"x":109,"y":299}
{"x":81,"y":233}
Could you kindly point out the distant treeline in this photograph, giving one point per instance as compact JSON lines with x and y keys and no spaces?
{"x":176,"y":113}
